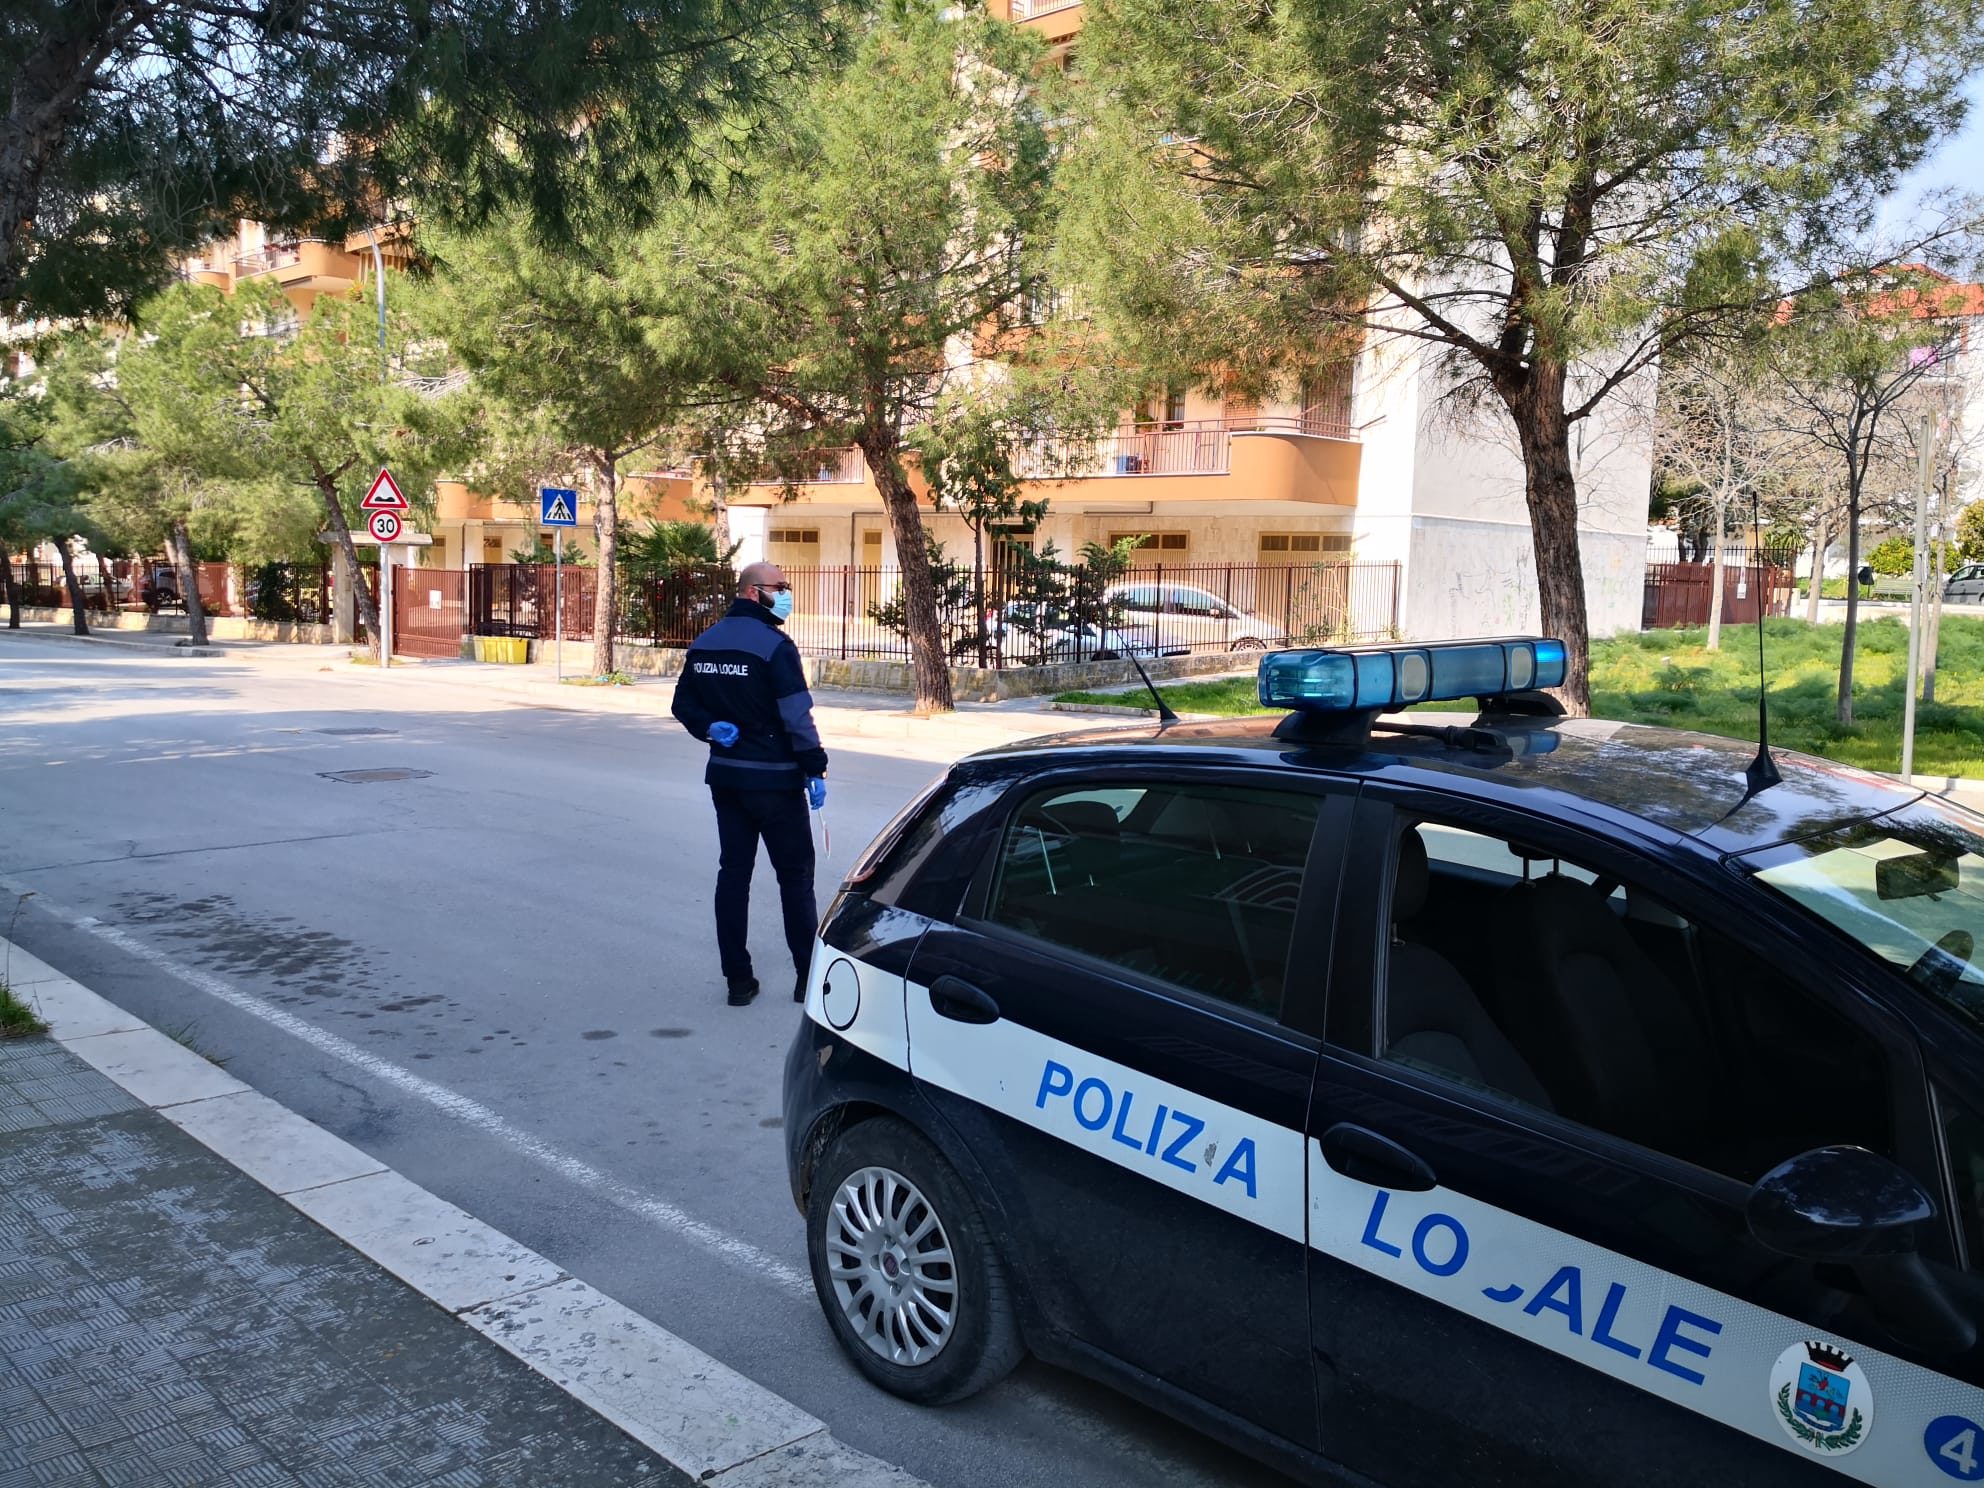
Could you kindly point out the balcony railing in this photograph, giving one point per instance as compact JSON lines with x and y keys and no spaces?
{"x":1026,"y":10}
{"x":1199,"y":447}
{"x":268,"y":259}
{"x":826,"y":467}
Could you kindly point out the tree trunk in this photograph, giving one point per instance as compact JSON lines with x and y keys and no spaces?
{"x":13,"y":590}
{"x":82,"y":626}
{"x":1536,"y":404}
{"x":606,"y":528}
{"x":1821,"y":538}
{"x":720,"y":514}
{"x":1844,"y":711}
{"x":927,"y":656}
{"x":368,"y":604}
{"x":189,"y":582}
{"x":1715,"y":578}
{"x":46,"y":92}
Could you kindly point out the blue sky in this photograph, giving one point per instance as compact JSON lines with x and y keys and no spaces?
{"x":1959,"y":163}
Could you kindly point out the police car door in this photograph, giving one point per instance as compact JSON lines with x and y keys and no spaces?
{"x":1532,"y":1147}
{"x":1104,"y":1028}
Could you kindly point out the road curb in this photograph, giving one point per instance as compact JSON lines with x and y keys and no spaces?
{"x":118,"y":643}
{"x":695,"y":1413}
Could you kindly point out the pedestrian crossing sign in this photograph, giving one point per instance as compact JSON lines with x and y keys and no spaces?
{"x":557,"y":507}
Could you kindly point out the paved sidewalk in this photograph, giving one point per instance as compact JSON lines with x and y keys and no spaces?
{"x":165,"y":1320}
{"x":200,"y":1289}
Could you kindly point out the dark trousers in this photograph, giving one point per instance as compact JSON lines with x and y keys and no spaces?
{"x":780,"y":818}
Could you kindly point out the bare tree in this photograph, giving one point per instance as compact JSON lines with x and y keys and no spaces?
{"x":1715,"y":430}
{"x":1847,"y":358}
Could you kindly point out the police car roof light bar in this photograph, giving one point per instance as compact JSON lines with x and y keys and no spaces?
{"x":1378,"y":679}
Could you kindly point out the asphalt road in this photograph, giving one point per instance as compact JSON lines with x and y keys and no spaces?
{"x":497,"y":977}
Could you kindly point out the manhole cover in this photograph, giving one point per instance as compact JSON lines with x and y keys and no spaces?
{"x":353,"y":733}
{"x":374,"y":777}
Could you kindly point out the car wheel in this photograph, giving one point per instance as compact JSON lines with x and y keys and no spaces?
{"x":905,"y":1269}
{"x":1249,"y":643}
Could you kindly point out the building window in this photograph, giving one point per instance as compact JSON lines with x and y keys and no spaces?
{"x":808,"y":537}
{"x":1162,"y":542}
{"x":1278,"y":543}
{"x":1326,"y":402}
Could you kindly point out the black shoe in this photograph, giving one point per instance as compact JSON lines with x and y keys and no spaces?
{"x":742,"y":992}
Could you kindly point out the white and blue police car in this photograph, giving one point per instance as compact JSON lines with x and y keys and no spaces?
{"x":1536,"y":1101}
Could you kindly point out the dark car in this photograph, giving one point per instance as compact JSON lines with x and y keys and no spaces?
{"x":1529,"y":1102}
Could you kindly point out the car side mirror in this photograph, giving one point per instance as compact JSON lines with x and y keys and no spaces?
{"x":1849,"y":1205}
{"x":1838,"y":1204}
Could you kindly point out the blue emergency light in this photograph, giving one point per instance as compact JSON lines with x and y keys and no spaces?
{"x":1365,"y":679}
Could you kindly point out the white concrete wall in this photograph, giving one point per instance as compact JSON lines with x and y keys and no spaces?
{"x":1442,"y":491}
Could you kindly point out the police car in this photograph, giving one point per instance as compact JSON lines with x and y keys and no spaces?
{"x":1533,"y":1101}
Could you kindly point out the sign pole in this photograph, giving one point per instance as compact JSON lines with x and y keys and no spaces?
{"x":385,"y":605}
{"x":557,"y":508}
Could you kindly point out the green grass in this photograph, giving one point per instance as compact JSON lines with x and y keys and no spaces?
{"x":1668,"y":677}
{"x":608,"y":679}
{"x":17,"y":1019}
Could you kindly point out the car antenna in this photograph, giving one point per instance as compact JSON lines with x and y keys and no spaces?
{"x":1761,"y":773}
{"x":1165,"y":717}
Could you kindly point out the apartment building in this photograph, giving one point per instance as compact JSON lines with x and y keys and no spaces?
{"x":1370,"y":466}
{"x":1373,"y":465}
{"x":467,"y":527}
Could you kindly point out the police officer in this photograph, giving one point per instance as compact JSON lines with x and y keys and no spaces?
{"x":742,"y":689}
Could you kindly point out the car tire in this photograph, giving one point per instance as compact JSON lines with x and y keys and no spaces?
{"x":883,"y":1201}
{"x":1249,"y":643}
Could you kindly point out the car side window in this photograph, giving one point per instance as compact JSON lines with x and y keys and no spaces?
{"x":1963,"y":1135}
{"x":1194,"y":885}
{"x":1522,"y":973}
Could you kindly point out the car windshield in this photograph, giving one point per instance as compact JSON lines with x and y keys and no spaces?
{"x":1909,"y":886}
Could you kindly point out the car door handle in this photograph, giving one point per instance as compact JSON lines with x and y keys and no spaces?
{"x":953,"y":997}
{"x":1369,"y":1158}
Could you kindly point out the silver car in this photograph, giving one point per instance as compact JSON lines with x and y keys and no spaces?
{"x":1965,"y":586}
{"x":1184,"y":617}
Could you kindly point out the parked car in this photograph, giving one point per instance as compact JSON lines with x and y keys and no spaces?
{"x":1966,"y":585}
{"x":1547,"y":1101}
{"x":1184,"y":617}
{"x":1025,"y":634}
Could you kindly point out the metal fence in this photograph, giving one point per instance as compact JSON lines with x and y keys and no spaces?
{"x":1059,"y":613}
{"x":1755,"y":580}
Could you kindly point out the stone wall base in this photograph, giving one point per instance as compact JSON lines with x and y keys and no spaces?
{"x":219,"y":627}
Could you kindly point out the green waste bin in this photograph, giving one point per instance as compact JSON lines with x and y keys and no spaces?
{"x":514,"y":650}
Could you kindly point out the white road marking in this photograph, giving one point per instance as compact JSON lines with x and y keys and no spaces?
{"x":658,"y":1212}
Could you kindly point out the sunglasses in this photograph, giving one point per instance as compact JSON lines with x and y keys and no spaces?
{"x":775,"y":588}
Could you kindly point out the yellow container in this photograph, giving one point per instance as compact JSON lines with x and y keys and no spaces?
{"x":514,"y":650}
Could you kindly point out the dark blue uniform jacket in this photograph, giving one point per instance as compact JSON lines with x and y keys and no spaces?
{"x":745,"y":670}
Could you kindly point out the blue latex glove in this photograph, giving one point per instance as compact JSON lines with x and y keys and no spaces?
{"x":816,"y":792}
{"x":723,"y":735}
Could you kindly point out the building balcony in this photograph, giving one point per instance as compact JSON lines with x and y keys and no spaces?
{"x":1309,"y":459}
{"x":825,"y":467}
{"x":309,"y":263}
{"x":1054,"y":18}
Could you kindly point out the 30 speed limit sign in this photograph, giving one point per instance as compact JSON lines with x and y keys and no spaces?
{"x":385,"y":526}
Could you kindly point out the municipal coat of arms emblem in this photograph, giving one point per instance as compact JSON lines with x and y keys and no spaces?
{"x":1822,"y":1398}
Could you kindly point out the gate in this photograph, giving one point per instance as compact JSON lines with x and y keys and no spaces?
{"x":430,"y":611}
{"x":1753,"y":580}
